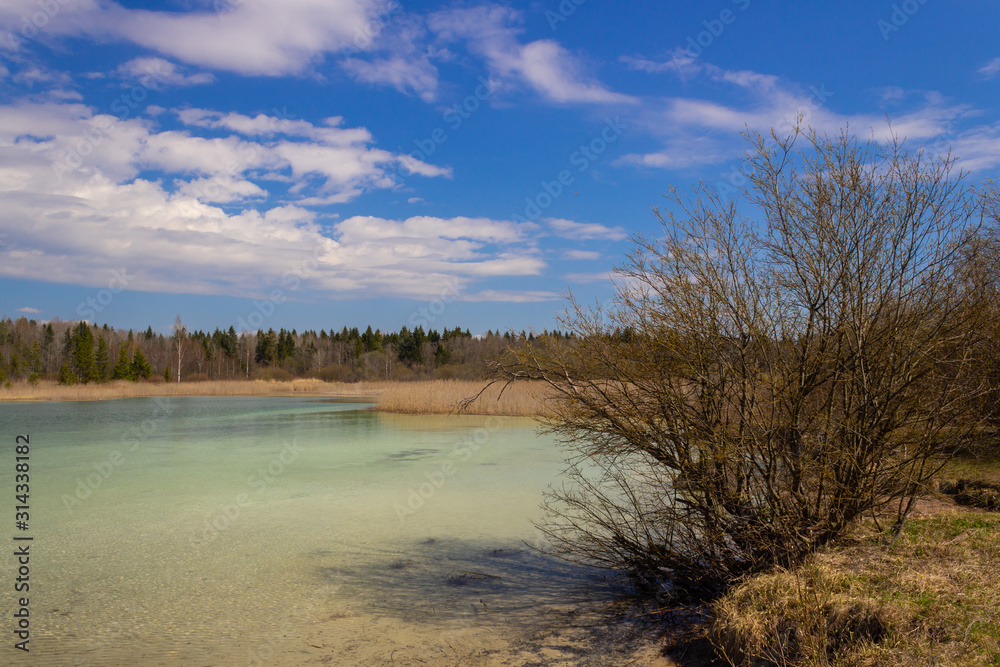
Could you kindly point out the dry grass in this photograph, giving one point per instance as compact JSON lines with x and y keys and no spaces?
{"x":985,"y":468}
{"x":426,"y":397}
{"x":527,"y":399}
{"x":50,"y":391}
{"x":930,"y":598}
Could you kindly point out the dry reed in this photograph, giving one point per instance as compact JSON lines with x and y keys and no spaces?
{"x":50,"y":391}
{"x":526,"y":399}
{"x":421,"y":397}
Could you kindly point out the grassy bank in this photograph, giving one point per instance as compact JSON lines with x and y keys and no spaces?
{"x":418,"y":397}
{"x":929,"y":598}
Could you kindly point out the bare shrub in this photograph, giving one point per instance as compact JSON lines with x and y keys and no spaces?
{"x":770,"y":370}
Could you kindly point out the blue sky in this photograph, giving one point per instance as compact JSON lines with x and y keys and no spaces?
{"x":322,"y":163}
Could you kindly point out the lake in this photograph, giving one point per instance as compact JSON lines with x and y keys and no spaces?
{"x":263,"y":531}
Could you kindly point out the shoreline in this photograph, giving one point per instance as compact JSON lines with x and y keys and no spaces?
{"x":438,"y":397}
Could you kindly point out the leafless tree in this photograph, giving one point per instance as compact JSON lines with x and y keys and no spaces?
{"x":180,"y":337}
{"x":772,"y":369}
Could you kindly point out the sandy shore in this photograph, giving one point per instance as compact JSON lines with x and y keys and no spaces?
{"x":417,"y":397}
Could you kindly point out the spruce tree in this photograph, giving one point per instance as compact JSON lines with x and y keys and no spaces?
{"x":35,"y":366}
{"x":66,"y":374}
{"x":83,"y":353}
{"x":123,"y":368}
{"x":102,"y":360}
{"x":140,"y":367}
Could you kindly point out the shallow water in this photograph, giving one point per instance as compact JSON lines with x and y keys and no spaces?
{"x":287,"y":531}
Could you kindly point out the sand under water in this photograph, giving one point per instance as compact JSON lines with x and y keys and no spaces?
{"x":291,"y":531}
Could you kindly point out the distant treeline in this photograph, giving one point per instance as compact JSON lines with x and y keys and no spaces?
{"x":80,"y":352}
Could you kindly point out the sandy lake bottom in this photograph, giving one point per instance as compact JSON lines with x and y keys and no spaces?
{"x":273,"y":531}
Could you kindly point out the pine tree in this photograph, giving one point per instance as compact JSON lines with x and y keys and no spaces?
{"x":286,"y":345}
{"x":441,"y":355}
{"x":83,"y":353}
{"x":36,"y":367}
{"x":102,"y":360}
{"x":166,"y":373}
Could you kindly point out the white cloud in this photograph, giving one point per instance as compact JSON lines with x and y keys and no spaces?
{"x":269,"y":37}
{"x":584,"y":231}
{"x":976,"y":149}
{"x":544,"y":64}
{"x":152,"y":72}
{"x":511,"y":296}
{"x":366,"y":228}
{"x":589,"y":277}
{"x":255,"y":37}
{"x":990,"y":69}
{"x":71,"y":221}
{"x":702,"y":131}
{"x":405,"y":75}
{"x":29,"y":310}
{"x":653,"y":67}
{"x":686,"y":64}
{"x":581,"y":254}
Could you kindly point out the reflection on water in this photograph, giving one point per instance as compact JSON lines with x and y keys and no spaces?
{"x":291,"y":531}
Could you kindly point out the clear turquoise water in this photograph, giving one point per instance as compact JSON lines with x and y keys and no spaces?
{"x":281,"y":531}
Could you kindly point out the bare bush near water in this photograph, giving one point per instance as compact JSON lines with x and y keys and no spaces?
{"x":760,"y":383}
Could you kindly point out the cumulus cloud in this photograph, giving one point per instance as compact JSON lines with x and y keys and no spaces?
{"x":259,"y":37}
{"x":82,"y":192}
{"x":29,"y":310}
